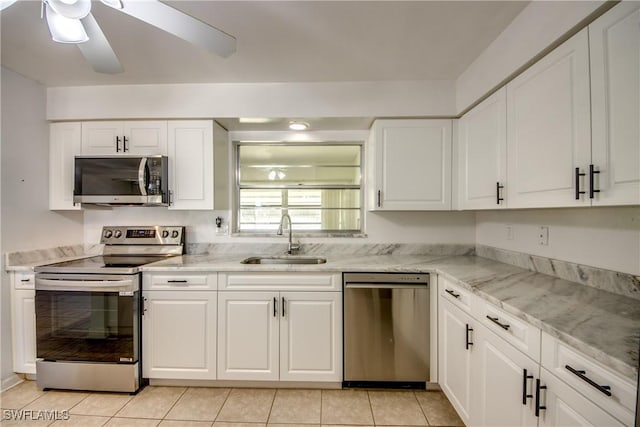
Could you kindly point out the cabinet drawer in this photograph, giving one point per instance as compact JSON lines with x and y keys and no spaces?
{"x":588,"y":376}
{"x":280,"y":281}
{"x":515,"y":331}
{"x":182,"y":281}
{"x":24,"y":280}
{"x":457,"y":295}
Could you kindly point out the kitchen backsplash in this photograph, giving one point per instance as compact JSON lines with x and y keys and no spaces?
{"x":608,"y":280}
{"x":332,"y":248}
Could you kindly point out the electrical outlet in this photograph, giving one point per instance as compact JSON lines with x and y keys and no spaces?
{"x":543,"y":236}
{"x":509,"y":232}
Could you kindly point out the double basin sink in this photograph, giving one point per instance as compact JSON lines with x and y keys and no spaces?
{"x":285,"y":259}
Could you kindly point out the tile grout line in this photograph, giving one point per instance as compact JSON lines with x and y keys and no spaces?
{"x":421,"y":408}
{"x":271,"y":407}
{"x":174,"y":404}
{"x":229,"y":391}
{"x":373,"y":417}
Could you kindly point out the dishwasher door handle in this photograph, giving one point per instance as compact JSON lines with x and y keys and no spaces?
{"x":385,"y":286}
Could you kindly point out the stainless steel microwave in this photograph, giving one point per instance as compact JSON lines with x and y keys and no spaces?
{"x":121,"y":180}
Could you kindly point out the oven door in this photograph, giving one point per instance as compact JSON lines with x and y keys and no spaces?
{"x":88,"y":318}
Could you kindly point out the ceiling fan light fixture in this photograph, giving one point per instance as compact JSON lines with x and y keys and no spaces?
{"x":71,"y":9}
{"x":116,"y":4}
{"x":298,"y":125}
{"x":65,"y":30}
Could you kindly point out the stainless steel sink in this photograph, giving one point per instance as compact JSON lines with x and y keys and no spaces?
{"x":284,"y":260}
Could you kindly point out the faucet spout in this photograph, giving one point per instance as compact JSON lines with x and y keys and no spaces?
{"x":293,"y":248}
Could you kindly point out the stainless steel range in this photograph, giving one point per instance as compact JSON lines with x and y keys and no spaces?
{"x":88,"y":310}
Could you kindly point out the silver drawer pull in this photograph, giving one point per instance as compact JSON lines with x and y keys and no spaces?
{"x":605,"y":389}
{"x":496,"y":321}
{"x":453,"y":294}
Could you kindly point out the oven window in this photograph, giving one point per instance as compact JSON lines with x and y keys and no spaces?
{"x":87,"y":326}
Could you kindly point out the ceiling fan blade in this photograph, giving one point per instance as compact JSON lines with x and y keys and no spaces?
{"x":97,"y":51}
{"x":6,"y":3}
{"x":181,"y":25}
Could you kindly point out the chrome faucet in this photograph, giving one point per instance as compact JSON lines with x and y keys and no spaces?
{"x":293,"y":248}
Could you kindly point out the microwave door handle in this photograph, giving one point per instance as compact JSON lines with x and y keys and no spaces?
{"x":142,"y":181}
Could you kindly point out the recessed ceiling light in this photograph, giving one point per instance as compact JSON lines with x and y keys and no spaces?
{"x":257,"y":120}
{"x":298,"y":125}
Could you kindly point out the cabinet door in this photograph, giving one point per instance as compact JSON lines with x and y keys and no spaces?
{"x":145,"y":137}
{"x":566,"y":407}
{"x":412,"y":168}
{"x":455,"y":355}
{"x":191,"y":164}
{"x":549,"y":129}
{"x":499,"y":383}
{"x":614,"y":40}
{"x":482,"y":142}
{"x":64,"y":144}
{"x":102,"y":137}
{"x":311,"y":336}
{"x":24,"y":330}
{"x":248,"y":335}
{"x":179,"y":335}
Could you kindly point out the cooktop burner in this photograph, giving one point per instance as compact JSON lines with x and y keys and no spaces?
{"x":126,"y":250}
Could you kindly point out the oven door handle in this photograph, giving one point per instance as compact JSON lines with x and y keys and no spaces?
{"x":126,"y":285}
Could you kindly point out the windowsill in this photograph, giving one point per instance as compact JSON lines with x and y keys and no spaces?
{"x":297,"y":235}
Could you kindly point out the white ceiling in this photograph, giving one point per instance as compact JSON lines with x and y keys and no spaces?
{"x":277,"y":41}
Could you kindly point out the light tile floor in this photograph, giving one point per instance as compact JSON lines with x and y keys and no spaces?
{"x":237,"y":407}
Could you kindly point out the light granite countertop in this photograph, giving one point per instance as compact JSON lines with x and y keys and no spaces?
{"x":601,"y":324}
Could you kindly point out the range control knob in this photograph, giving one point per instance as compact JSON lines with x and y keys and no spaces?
{"x":175,"y":233}
{"x":117,"y":234}
{"x":107,"y":234}
{"x":165,"y":234}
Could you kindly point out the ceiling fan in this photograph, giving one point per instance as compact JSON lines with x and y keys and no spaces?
{"x":71,"y":21}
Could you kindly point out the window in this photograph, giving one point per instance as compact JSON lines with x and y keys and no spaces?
{"x":317,"y":184}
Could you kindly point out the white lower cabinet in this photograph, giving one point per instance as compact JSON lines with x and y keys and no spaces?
{"x":512,"y":375}
{"x":311,"y":336}
{"x":563,"y":406}
{"x":455,"y":350}
{"x":179,"y":330}
{"x":248,"y":336}
{"x":23,"y":317}
{"x":503,"y":393}
{"x":271,"y":335}
{"x":287,"y":336}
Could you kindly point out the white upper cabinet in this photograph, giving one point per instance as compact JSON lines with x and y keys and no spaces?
{"x":127,"y":137}
{"x":549,"y":129}
{"x":615,"y":95}
{"x":482,"y":154}
{"x":191,"y":163}
{"x":410,"y":164}
{"x":64,"y":144}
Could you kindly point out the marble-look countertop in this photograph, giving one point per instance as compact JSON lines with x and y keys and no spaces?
{"x":601,"y":324}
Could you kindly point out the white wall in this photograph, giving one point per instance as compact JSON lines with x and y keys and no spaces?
{"x":25,"y":221}
{"x":601,"y":237}
{"x":539,"y":25}
{"x":339,"y":99}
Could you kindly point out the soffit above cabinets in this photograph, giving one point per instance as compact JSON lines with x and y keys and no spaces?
{"x":277,"y":41}
{"x":268,"y":124}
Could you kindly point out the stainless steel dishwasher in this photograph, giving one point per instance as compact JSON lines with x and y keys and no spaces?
{"x":386,"y":330}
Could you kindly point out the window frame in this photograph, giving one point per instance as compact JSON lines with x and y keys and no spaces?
{"x":235,"y":213}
